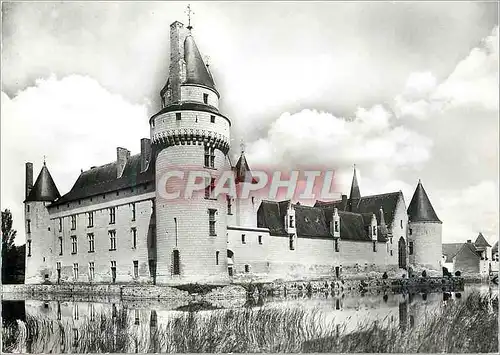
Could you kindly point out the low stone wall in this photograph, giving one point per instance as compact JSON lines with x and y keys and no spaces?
{"x":120,"y":291}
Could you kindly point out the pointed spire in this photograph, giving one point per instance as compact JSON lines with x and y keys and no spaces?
{"x":196,"y":70}
{"x":243,"y":173}
{"x":481,"y":241}
{"x":355,"y":194}
{"x":420,"y":208}
{"x":44,"y":188}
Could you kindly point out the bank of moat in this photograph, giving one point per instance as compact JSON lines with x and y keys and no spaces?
{"x":115,"y":225}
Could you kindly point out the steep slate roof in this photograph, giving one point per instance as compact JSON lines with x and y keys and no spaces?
{"x":467,"y":250}
{"x":103,"y":179}
{"x":495,"y":248}
{"x":313,"y":221}
{"x":450,"y":250}
{"x":370,"y":204}
{"x":420,"y":208}
{"x":196,"y":70}
{"x":481,"y":242}
{"x":45,"y":188}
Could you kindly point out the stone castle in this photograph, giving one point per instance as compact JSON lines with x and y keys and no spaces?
{"x":114,"y":226}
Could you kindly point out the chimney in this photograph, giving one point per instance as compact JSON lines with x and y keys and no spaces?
{"x":122,"y":156}
{"x":145,"y":153}
{"x":176,"y":73}
{"x":469,"y":241}
{"x":344,"y":202}
{"x":29,"y":178}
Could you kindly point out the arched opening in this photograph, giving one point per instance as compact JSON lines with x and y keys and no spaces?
{"x":230,"y":262}
{"x":402,"y":253}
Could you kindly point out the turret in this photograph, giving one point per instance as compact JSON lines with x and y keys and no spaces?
{"x":335,"y":224}
{"x":189,"y":133}
{"x":425,"y":232}
{"x":37,"y":224}
{"x":246,"y":206}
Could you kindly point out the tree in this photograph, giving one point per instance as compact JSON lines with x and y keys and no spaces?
{"x":12,"y":256}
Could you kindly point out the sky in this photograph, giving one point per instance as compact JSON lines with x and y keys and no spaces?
{"x":404,"y":90}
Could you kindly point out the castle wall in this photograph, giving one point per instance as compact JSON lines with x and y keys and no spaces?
{"x":125,"y":253}
{"x":398,"y":228}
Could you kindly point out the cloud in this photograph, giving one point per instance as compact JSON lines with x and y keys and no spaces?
{"x":74,"y":122}
{"x":467,"y":212}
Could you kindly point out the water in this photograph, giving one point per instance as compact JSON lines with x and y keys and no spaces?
{"x":113,"y":325}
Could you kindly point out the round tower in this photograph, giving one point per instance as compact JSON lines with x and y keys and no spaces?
{"x":189,"y":134}
{"x":39,"y":241}
{"x":424,"y":233}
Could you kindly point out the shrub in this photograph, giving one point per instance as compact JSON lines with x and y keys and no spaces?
{"x":458,"y":273}
{"x":424,"y":273}
{"x":384,"y":276}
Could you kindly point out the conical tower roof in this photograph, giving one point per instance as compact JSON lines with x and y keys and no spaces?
{"x":355,"y":194}
{"x":196,"y":70}
{"x":242,"y":170}
{"x":481,"y":241}
{"x":420,"y":208}
{"x":44,"y":189}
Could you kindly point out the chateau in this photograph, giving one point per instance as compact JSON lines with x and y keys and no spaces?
{"x":115,"y":225}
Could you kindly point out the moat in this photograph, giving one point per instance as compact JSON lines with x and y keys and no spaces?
{"x":318,"y":322}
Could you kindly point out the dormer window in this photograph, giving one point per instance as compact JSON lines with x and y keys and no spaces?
{"x":374,"y":230}
{"x":336,"y":226}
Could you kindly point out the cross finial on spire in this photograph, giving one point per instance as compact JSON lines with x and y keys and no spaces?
{"x":242,"y":146}
{"x":189,"y":12}
{"x":207,"y":60}
{"x":44,"y":159}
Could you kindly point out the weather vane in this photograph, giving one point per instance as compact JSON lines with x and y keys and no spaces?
{"x":44,"y":159}
{"x":189,"y":12}
{"x":207,"y":60}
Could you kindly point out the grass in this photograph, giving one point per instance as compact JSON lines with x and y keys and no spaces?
{"x":470,"y":325}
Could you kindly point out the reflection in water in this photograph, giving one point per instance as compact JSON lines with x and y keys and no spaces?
{"x":151,"y":326}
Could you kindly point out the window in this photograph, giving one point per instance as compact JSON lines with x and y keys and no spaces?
{"x":391,"y":252}
{"x":205,"y":98}
{"x":136,"y":269}
{"x":58,"y":265}
{"x":292,"y":243}
{"x":291,"y":222}
{"x":112,"y":215}
{"x":74,"y":244}
{"x":411,"y":231}
{"x":229,"y":205}
{"x":209,"y":189}
{"x":336,"y":226}
{"x":136,"y":321}
{"x":27,"y":208}
{"x":28,"y":226}
{"x":260,"y":239}
{"x":410,"y":247}
{"x":178,"y":116}
{"x":133,"y":212}
{"x":90,"y":216}
{"x":374,"y":230}
{"x":336,"y":244}
{"x":374,"y":246}
{"x":60,"y":224}
{"x":247,"y":268}
{"x":209,"y":157}
{"x":134,"y":237}
{"x":60,"y":246}
{"x":211,"y":222}
{"x":217,"y":257}
{"x":91,"y":270}
{"x":29,"y":247}
{"x":401,"y":222}
{"x":75,"y":271}
{"x":176,"y":263}
{"x":73,"y":222}
{"x":113,"y":264}
{"x":91,"y":242}
{"x":243,"y":241}
{"x":92,"y":311}
{"x":212,"y":119}
{"x":112,"y":240}
{"x":390,"y":239}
